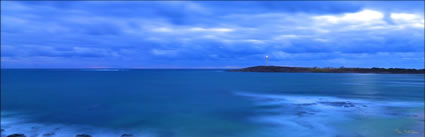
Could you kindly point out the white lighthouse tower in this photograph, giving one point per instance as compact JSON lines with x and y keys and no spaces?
{"x":267,"y":60}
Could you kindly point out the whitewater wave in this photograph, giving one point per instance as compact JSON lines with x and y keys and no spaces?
{"x":15,"y":123}
{"x":321,"y":116}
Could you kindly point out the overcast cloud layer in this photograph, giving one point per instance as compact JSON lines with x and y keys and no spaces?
{"x":188,"y":34}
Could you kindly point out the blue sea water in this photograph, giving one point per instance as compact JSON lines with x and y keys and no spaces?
{"x":210,"y":103}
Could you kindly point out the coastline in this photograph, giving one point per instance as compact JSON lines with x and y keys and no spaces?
{"x":329,"y":70}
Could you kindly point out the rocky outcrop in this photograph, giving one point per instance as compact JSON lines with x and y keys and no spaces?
{"x":329,"y":70}
{"x":83,"y":135}
{"x":48,"y":134}
{"x":339,"y":104}
{"x":126,"y":135}
{"x":303,"y":113}
{"x":16,"y":135}
{"x":342,"y":104}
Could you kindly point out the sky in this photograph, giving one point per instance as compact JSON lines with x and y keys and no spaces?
{"x":211,"y":34}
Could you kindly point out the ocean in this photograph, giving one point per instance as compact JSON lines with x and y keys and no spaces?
{"x":209,"y":103}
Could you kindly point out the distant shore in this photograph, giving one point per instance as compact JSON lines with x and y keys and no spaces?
{"x":329,"y":70}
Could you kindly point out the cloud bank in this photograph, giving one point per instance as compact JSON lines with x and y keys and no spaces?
{"x":188,"y":34}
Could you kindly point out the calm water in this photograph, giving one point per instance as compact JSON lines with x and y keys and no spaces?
{"x":210,"y":103}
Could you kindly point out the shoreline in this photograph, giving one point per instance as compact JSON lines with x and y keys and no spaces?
{"x":329,"y":70}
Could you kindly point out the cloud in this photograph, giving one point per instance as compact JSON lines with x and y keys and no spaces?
{"x":254,"y":41}
{"x":162,"y":29}
{"x":53,"y":51}
{"x":408,"y":20}
{"x":363,"y":16}
{"x":161,"y":52}
{"x":364,"y":19}
{"x":197,"y":34}
{"x":199,"y":29}
{"x":180,"y":30}
{"x":286,"y":36}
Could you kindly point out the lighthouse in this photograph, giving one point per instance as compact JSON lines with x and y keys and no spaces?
{"x":267,"y":60}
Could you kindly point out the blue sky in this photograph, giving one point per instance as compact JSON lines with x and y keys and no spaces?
{"x":211,"y":34}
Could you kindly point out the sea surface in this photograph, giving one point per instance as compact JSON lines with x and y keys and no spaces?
{"x":209,"y":103}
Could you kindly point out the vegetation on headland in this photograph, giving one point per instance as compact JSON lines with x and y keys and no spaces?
{"x":330,"y":70}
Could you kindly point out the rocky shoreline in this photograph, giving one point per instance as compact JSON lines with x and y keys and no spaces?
{"x":329,"y":70}
{"x":52,"y":134}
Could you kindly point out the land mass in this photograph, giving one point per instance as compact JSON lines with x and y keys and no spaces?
{"x":329,"y":70}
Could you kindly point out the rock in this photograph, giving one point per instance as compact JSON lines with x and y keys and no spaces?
{"x":339,"y":104}
{"x":306,"y":104}
{"x":126,"y":135}
{"x":48,"y":134}
{"x":303,"y":113}
{"x":16,"y":135}
{"x":328,"y":70}
{"x":268,"y":106}
{"x":83,"y":135}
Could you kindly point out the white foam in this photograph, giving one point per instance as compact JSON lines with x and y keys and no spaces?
{"x":20,"y":124}
{"x":314,"y":115}
{"x":293,"y":99}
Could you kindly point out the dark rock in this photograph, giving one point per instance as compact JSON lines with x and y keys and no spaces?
{"x":268,"y":107}
{"x":339,"y":104}
{"x":126,"y":135}
{"x":83,"y":135}
{"x":48,"y":134}
{"x":306,"y":104}
{"x":303,"y":113}
{"x":16,"y":135}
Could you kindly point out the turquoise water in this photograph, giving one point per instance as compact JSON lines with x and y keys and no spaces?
{"x":210,"y":103}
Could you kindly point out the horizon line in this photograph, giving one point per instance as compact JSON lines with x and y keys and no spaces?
{"x":188,"y":67}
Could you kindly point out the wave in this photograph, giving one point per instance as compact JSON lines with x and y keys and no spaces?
{"x":321,"y":116}
{"x":15,"y":123}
